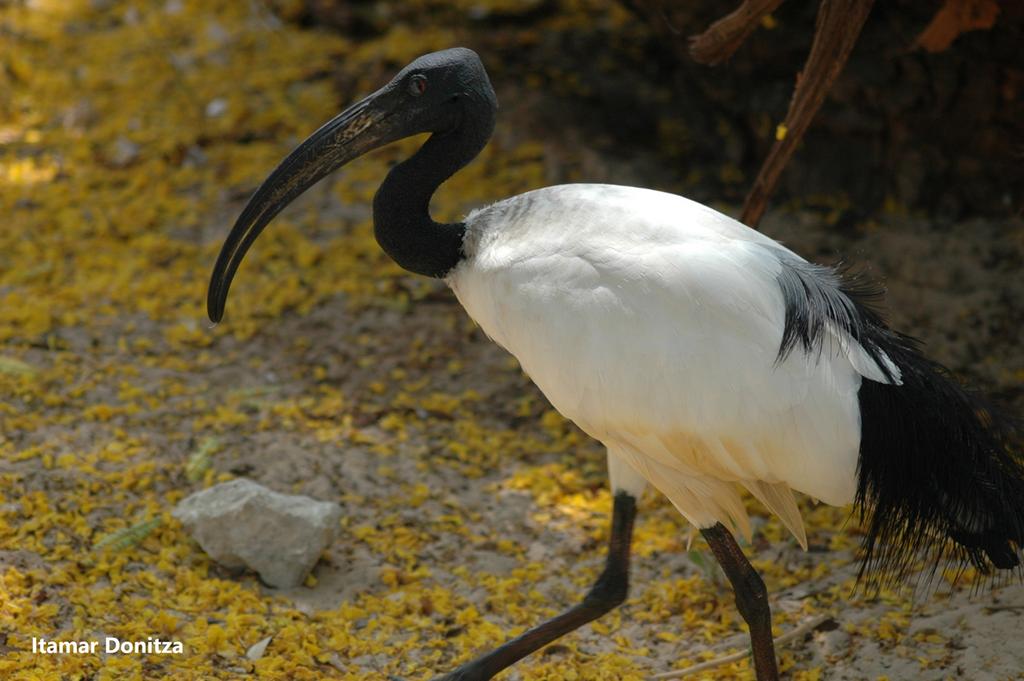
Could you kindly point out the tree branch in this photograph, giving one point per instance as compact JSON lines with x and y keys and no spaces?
{"x":838,"y":25}
{"x":723,"y":38}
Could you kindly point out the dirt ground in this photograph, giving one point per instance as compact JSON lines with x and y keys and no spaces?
{"x":131,"y":138}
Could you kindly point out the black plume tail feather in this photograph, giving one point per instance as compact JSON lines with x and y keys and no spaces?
{"x":941,"y":471}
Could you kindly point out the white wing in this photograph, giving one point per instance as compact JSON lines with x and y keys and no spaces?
{"x":654,"y":323}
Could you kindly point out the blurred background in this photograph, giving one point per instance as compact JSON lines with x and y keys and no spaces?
{"x":131,"y":134}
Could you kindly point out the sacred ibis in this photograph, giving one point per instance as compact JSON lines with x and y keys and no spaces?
{"x":706,"y":357}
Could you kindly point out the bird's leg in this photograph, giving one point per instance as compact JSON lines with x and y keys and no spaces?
{"x":608,"y":592}
{"x":751,"y":598}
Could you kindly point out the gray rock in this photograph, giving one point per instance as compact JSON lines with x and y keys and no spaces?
{"x":216,"y":107}
{"x":124,"y":152}
{"x":243,"y":524}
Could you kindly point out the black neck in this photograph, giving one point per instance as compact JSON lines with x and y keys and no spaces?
{"x":401,"y":208}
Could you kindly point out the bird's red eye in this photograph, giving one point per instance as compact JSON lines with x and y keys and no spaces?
{"x":417,"y":85}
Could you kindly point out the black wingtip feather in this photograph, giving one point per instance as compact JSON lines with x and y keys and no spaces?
{"x":816,"y":296}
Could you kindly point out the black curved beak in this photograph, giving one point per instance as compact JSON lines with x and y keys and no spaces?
{"x":361,"y":128}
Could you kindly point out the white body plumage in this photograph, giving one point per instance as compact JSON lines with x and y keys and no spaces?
{"x":654,"y":323}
